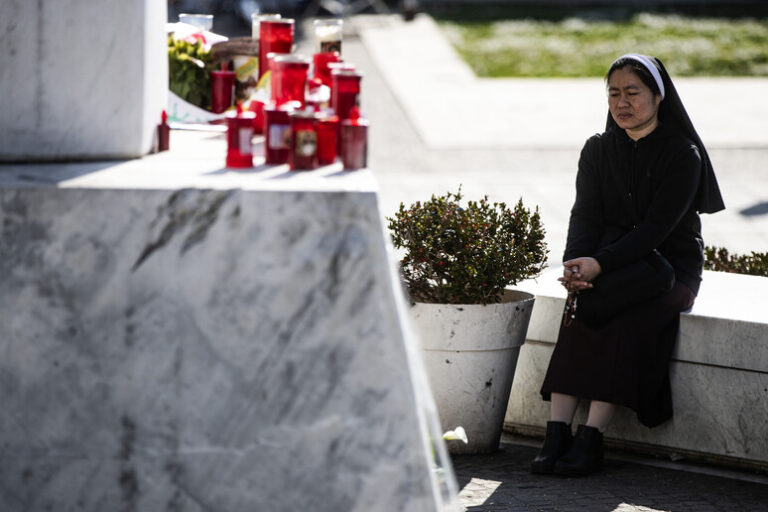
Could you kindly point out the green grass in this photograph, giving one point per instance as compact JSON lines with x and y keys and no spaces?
{"x":582,"y":47}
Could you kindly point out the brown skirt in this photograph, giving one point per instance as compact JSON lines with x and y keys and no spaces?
{"x":625,"y":362}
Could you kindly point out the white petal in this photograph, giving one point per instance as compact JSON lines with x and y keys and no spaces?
{"x":457,"y":434}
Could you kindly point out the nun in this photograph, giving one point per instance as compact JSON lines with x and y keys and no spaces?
{"x":640,"y":187}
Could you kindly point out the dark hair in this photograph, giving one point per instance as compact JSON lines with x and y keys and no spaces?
{"x":637,"y":68}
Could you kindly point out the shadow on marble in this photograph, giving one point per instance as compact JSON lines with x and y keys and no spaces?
{"x":252,"y":170}
{"x":755,"y":210}
{"x":34,"y":174}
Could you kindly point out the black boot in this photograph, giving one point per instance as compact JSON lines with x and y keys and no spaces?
{"x":585,"y":455}
{"x":556,"y":443}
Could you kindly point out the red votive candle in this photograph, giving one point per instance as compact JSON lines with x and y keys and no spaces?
{"x":303,"y":153}
{"x":222,"y":85}
{"x":257,"y":107}
{"x":277,"y":133}
{"x":239,"y":135}
{"x":271,"y":70}
{"x":163,"y":133}
{"x":274,"y":36}
{"x":320,"y":63}
{"x":327,"y":139}
{"x":345,"y":92}
{"x":289,"y":78}
{"x":354,"y":141}
{"x":338,"y":66}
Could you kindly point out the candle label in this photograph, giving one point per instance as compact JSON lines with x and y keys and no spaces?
{"x":250,"y":68}
{"x":306,"y":143}
{"x":279,"y":136}
{"x":330,"y":46}
{"x":246,"y":134}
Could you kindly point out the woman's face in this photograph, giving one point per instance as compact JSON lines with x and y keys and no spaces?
{"x":633,"y":105}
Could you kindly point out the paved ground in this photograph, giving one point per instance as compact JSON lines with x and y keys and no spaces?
{"x":501,"y":482}
{"x":425,"y":109}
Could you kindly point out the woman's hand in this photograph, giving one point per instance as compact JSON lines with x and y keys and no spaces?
{"x":579,"y":273}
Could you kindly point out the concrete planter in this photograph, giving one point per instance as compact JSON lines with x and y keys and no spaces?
{"x":470,"y":353}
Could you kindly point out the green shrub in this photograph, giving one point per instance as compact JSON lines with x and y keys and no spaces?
{"x":720,"y":260}
{"x":466,"y":255}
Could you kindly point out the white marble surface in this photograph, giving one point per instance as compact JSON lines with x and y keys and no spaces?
{"x":203,"y":347}
{"x":196,"y":160}
{"x":81,"y":79}
{"x":719,"y":373}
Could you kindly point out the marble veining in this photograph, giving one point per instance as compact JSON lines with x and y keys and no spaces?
{"x":204,"y":350}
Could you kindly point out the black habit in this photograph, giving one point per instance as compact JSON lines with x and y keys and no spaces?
{"x":647,"y":189}
{"x":653,"y":190}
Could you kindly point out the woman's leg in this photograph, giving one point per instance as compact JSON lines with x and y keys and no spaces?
{"x":559,"y":438}
{"x":562,"y":407}
{"x":600,"y":414}
{"x":585,"y":455}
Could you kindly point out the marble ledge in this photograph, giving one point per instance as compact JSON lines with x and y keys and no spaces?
{"x":726,"y":327}
{"x":722,"y":295}
{"x":195,"y":160}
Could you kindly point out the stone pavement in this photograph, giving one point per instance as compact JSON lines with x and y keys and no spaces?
{"x":424,"y":140}
{"x":501,"y":482}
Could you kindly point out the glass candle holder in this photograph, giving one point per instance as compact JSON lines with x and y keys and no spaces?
{"x":328,"y":35}
{"x":239,"y":139}
{"x":320,"y":63}
{"x":303,"y":153}
{"x":345,"y":92}
{"x":277,"y":133}
{"x":245,"y":64}
{"x":274,"y":36}
{"x":327,"y":139}
{"x":257,"y":18}
{"x":289,"y":78}
{"x":203,"y":21}
{"x":354,"y":143}
{"x":222,"y":87}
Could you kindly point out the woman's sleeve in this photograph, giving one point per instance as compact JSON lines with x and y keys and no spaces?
{"x":586,"y":224}
{"x":671,"y":200}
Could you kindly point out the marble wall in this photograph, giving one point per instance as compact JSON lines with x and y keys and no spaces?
{"x":81,"y":79}
{"x":207,"y":350}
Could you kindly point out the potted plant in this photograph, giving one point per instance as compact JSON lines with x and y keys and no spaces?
{"x":457,"y":265}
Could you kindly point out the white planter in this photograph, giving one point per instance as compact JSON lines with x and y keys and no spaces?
{"x":470,"y":353}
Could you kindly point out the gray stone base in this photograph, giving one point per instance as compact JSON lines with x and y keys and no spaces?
{"x":203,"y":349}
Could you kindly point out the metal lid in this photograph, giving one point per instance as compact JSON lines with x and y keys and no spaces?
{"x":291,"y":58}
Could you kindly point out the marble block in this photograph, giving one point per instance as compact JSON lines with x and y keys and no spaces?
{"x":210,"y":348}
{"x":81,"y":80}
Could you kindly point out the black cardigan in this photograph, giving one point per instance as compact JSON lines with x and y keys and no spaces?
{"x":645,"y":188}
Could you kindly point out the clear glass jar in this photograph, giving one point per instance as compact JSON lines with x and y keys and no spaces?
{"x":257,"y":18}
{"x":328,"y":35}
